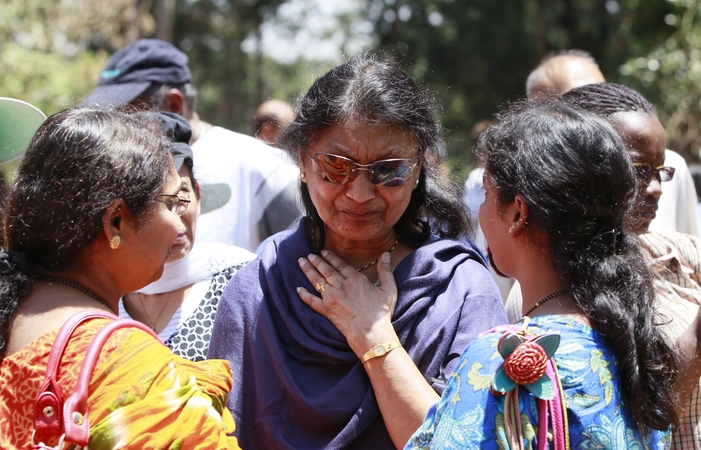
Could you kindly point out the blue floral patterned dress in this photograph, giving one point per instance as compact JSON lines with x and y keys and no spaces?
{"x":468,"y":416}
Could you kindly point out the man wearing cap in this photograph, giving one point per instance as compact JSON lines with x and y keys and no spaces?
{"x":248,"y":188}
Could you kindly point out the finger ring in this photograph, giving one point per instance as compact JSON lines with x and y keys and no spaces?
{"x":320,"y":287}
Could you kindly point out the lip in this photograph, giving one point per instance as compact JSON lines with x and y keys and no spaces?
{"x":360,"y":214}
{"x":179,"y":239}
{"x":648,"y":210}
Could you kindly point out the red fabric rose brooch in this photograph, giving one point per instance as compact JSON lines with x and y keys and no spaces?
{"x":525,"y":362}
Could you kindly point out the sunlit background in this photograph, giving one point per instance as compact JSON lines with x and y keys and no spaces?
{"x":474,"y":55}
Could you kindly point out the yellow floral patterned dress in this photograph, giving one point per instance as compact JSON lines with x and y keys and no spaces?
{"x":141,"y":396}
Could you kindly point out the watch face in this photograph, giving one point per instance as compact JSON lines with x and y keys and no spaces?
{"x":380,"y":350}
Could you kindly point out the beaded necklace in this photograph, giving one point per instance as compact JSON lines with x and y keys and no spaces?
{"x":375,"y":261}
{"x":76,"y":286}
{"x":546,"y":299}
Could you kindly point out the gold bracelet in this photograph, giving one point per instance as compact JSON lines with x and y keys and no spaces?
{"x":379,"y":350}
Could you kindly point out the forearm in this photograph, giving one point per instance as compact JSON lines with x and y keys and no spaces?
{"x":402,"y":393}
{"x":689,"y":345}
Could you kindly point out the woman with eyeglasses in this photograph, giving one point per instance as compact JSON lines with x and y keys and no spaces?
{"x":94,"y":213}
{"x":181,"y":305}
{"x":374,"y":188}
{"x":675,"y":258}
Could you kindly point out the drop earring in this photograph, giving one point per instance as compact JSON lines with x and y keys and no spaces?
{"x":115,"y":242}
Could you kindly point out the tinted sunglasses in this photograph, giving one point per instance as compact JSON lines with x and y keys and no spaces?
{"x":645,"y":172}
{"x":340,"y":170}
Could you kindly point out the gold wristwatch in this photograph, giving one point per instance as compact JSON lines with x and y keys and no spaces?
{"x":379,"y":350}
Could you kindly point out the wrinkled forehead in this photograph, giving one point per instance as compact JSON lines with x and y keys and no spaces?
{"x":362,"y":139}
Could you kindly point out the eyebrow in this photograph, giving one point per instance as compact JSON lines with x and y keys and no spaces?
{"x":332,"y":148}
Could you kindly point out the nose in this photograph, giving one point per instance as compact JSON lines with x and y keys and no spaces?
{"x":654,"y":188}
{"x":361,"y":190}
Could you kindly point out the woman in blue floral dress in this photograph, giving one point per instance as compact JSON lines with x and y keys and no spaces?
{"x":587,"y":367}
{"x":559,"y":184}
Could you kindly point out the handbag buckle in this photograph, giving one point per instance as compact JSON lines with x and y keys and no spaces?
{"x":42,"y":446}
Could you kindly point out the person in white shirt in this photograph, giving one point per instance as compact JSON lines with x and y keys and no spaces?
{"x":249,"y":189}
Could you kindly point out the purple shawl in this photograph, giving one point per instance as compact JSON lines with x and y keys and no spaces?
{"x":297,"y":383}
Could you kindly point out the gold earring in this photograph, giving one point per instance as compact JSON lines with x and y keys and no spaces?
{"x":115,"y":242}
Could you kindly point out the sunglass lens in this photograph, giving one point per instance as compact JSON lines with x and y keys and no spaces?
{"x":390,"y":173}
{"x":334,"y":168}
{"x":666,"y":173}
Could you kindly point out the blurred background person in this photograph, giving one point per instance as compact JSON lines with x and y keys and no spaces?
{"x":248,"y":188}
{"x":181,"y":305}
{"x":271,"y":117}
{"x":560,"y":72}
{"x":370,"y":157}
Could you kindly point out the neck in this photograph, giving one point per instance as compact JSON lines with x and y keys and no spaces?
{"x":103,"y":287}
{"x":361,"y":253}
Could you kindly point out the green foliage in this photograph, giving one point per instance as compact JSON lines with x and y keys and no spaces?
{"x":50,"y":82}
{"x":231,"y":81}
{"x":477,"y":55}
{"x":670,"y":77}
{"x":51,"y":51}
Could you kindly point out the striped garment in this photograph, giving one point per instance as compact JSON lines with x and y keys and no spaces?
{"x":676,"y":259}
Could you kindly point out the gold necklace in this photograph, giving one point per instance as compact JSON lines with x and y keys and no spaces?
{"x":375,"y":261}
{"x":153,"y":322}
{"x":546,"y":299}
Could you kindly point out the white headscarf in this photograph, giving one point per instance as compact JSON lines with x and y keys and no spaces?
{"x":204,"y":261}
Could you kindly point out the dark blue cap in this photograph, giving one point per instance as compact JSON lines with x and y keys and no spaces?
{"x":131,"y":70}
{"x":178,"y":131}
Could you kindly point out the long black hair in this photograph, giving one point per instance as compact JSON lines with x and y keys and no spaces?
{"x":78,"y":162}
{"x":575,"y":174}
{"x":378,"y":91}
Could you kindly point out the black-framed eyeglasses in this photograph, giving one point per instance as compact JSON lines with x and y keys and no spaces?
{"x":341,"y":170}
{"x":176,"y":203}
{"x":645,"y":172}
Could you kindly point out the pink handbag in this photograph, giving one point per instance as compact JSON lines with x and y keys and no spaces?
{"x":69,"y":419}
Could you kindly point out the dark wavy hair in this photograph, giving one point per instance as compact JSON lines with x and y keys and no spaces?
{"x":79,"y":161}
{"x":575,"y":174}
{"x":378,"y":91}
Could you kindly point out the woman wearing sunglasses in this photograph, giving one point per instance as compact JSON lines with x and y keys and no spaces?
{"x":93,"y":214}
{"x":372,"y":182}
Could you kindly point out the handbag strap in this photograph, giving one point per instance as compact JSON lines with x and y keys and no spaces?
{"x":69,"y":419}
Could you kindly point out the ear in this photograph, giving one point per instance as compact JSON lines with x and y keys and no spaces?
{"x":302,"y":165}
{"x":518,"y":214}
{"x":114,"y":221}
{"x":174,"y":102}
{"x":418,"y":177}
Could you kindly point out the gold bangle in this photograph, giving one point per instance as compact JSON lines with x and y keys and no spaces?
{"x":379,"y":350}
